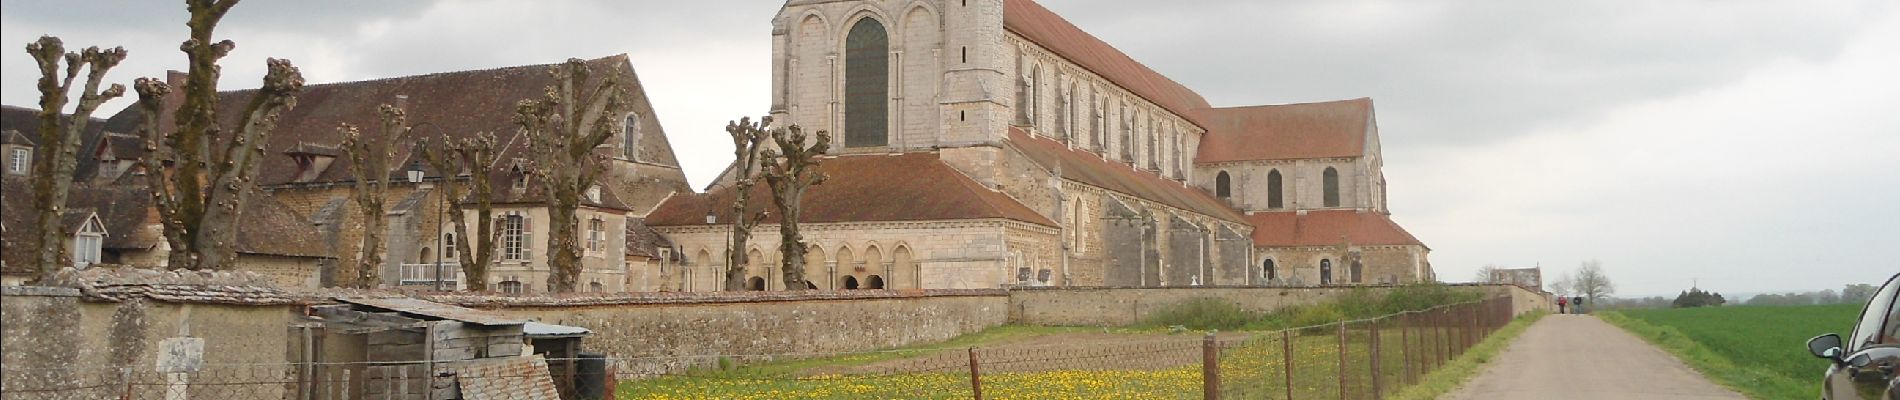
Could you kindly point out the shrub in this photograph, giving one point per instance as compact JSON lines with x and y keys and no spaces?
{"x":1202,"y":314}
{"x":1319,"y":314}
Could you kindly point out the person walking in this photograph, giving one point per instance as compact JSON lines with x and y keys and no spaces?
{"x":1561,"y":302}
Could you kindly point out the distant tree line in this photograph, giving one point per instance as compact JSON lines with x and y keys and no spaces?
{"x":1851,"y":294}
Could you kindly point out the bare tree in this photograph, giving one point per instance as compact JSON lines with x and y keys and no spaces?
{"x":1591,"y":282}
{"x":369,"y":162}
{"x":476,"y":155}
{"x":1487,"y":274}
{"x":747,"y":139}
{"x":564,"y":128}
{"x":60,"y":135}
{"x":1563,"y":285}
{"x":214,"y":168}
{"x":789,"y":170}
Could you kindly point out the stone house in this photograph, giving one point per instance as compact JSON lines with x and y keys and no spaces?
{"x":124,"y":227}
{"x":1089,"y":166}
{"x":307,"y":171}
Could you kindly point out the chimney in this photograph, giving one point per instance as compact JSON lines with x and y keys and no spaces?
{"x":166,"y":111}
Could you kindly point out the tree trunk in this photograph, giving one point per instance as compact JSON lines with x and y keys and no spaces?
{"x":564,"y":253}
{"x":791,"y":245}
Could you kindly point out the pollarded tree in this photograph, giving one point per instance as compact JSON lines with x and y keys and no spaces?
{"x":369,"y":162}
{"x":564,"y":127}
{"x":201,"y":173}
{"x":477,"y":156}
{"x":789,"y":170}
{"x":59,"y":137}
{"x":747,"y":140}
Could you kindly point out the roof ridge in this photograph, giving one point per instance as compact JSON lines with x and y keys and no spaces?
{"x":1364,"y":99}
{"x":622,"y":56}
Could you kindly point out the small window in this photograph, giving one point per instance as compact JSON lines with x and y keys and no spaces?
{"x":514,"y":238}
{"x":510,"y":286}
{"x":593,"y":194}
{"x":596,"y":234}
{"x":448,"y":245}
{"x":88,"y":244}
{"x":1325,"y":272}
{"x":1274,"y":197}
{"x":596,"y":287}
{"x":1267,"y":270}
{"x":20,"y":161}
{"x":1222,"y":184}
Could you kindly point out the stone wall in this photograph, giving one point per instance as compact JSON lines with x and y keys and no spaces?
{"x":54,"y":338}
{"x":669,"y":334}
{"x":1124,"y":306}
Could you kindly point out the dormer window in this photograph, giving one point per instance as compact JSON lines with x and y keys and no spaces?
{"x":519,"y":177}
{"x":89,"y":243}
{"x":593,"y":194}
{"x":19,"y":161}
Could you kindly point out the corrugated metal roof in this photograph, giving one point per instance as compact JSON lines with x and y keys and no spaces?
{"x":537,"y":330}
{"x":437,"y":310}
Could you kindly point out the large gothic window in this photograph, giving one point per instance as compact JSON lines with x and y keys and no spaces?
{"x":1222,"y":185}
{"x":867,"y":85}
{"x":1274,"y":199}
{"x":1332,"y":187}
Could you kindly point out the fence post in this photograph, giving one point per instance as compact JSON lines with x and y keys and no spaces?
{"x":976,"y":377}
{"x":1210,"y":367}
{"x":1286,"y":342}
{"x":1342,"y":360}
{"x":1378,"y":368}
{"x":1405,"y":348}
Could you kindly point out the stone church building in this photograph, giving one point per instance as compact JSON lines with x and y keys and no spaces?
{"x":991,"y":143}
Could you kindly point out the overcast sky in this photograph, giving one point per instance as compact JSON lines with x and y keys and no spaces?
{"x":1753,"y":145}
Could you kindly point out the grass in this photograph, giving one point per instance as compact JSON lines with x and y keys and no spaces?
{"x":1759,"y":351}
{"x":1462,"y":368}
{"x":1251,"y":366}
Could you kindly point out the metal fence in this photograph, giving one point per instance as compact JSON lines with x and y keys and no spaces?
{"x":1360,"y":359}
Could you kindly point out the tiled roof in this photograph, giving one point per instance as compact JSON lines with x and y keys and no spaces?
{"x":1082,"y":166}
{"x":505,"y":378}
{"x":11,"y":136}
{"x":1039,"y":25}
{"x":865,"y":188}
{"x":1327,"y":228}
{"x":21,"y":124}
{"x":270,"y":228}
{"x":458,"y":104}
{"x":642,"y":241}
{"x":266,"y":227}
{"x":21,"y":224}
{"x":126,"y":212}
{"x":1286,"y":131}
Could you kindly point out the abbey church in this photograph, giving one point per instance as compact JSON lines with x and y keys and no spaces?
{"x":991,"y":143}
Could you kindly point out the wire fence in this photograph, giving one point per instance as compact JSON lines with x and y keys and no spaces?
{"x":1360,"y":359}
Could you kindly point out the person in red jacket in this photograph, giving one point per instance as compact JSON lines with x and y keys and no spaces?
{"x":1561,"y":302}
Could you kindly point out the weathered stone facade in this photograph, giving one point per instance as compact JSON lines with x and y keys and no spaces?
{"x":901,"y":255}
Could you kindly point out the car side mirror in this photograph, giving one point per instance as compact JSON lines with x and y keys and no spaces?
{"x":1825,"y":346}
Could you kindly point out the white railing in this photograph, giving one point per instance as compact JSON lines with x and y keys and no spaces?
{"x":424,"y":275}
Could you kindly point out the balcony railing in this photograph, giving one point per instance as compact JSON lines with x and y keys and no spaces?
{"x":424,"y":275}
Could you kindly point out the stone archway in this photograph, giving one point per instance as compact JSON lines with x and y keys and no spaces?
{"x":756,"y":284}
{"x":848,"y":283}
{"x":874,"y":282}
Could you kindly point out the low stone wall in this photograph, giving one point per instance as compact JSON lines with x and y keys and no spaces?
{"x":1124,"y":306}
{"x":661,"y":333}
{"x":55,"y":338}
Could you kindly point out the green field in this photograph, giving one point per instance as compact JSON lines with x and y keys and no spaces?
{"x":1758,"y":350}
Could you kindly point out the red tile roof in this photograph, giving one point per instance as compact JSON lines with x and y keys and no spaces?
{"x":1082,"y":166}
{"x":1045,"y":28}
{"x":1327,"y":228}
{"x":865,"y":188}
{"x":1286,"y":131}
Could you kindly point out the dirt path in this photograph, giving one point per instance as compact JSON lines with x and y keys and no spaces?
{"x":1581,"y":357}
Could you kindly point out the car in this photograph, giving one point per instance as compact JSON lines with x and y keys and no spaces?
{"x":1862,"y":365}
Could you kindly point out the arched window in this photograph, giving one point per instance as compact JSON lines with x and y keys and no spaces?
{"x":1332,"y":187}
{"x":1267,"y":270}
{"x":630,"y":138}
{"x":596,"y":287}
{"x":867,"y":84}
{"x":755,"y":284}
{"x":1325,"y":272}
{"x":423,"y":256}
{"x":448,"y":245}
{"x":874,"y":282}
{"x":1357,"y":268}
{"x":1274,"y":198}
{"x":1222,"y":186}
{"x":850,"y":283}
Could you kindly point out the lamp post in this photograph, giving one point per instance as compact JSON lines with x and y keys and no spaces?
{"x":415,"y":177}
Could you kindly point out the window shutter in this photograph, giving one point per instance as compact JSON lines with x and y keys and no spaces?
{"x":527,"y":237}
